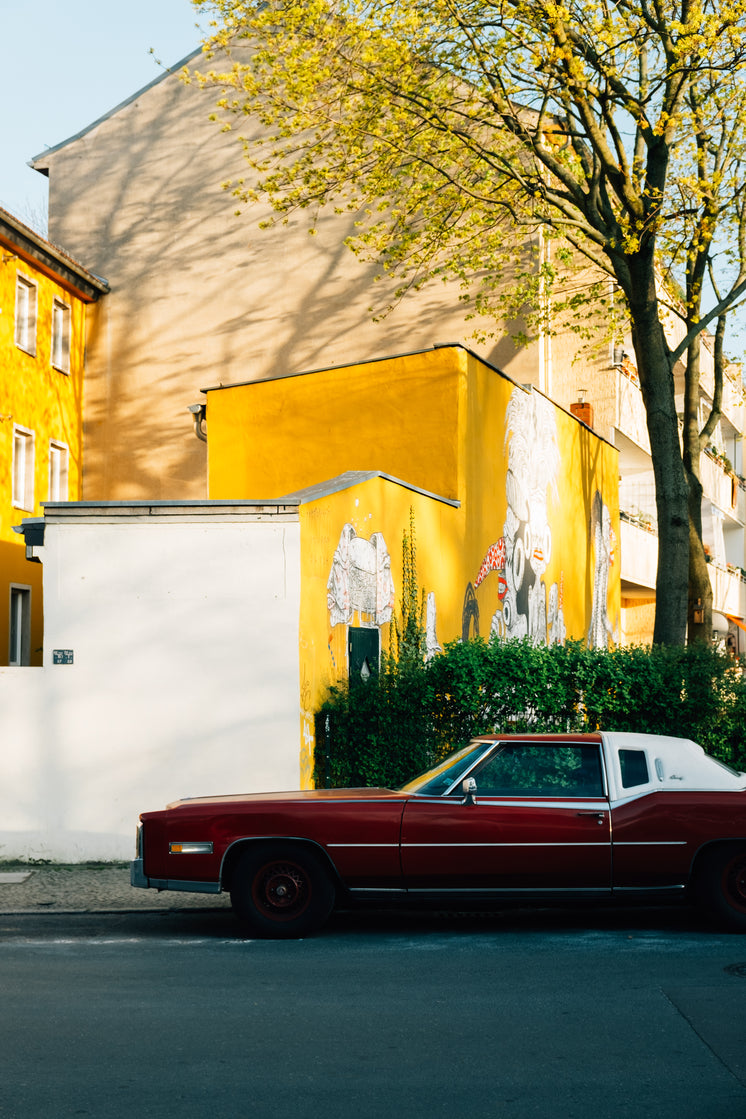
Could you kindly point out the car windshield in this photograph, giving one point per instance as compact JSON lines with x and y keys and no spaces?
{"x":436,"y":781}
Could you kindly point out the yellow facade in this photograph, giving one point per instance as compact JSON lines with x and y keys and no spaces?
{"x":514,"y":503}
{"x":43,"y":297}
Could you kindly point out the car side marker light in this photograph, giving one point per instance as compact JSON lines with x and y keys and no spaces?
{"x":192,"y":847}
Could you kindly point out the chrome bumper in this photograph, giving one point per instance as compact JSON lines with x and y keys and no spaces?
{"x":137,"y":875}
{"x":139,"y":878}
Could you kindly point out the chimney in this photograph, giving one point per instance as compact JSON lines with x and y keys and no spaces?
{"x":582,"y":410}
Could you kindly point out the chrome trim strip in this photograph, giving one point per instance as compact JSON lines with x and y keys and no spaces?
{"x":650,"y":843}
{"x":394,"y":845}
{"x":591,"y":803}
{"x":537,"y":891}
{"x":378,"y":890}
{"x":648,"y":889}
{"x":546,"y":843}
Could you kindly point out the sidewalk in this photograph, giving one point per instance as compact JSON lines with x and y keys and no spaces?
{"x":88,"y":888}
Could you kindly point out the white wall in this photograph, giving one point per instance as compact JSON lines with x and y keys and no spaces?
{"x":184,"y":680}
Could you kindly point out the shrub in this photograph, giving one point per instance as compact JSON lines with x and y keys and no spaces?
{"x":385,"y":730}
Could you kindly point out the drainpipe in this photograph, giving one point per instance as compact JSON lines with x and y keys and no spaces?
{"x":199,"y":415}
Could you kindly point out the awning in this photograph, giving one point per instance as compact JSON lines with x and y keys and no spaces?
{"x":736,"y":622}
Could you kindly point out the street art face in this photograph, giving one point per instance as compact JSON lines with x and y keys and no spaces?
{"x":360,"y":580}
{"x":520,"y":556}
{"x":529,"y":606}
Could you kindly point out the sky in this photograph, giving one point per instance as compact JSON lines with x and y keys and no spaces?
{"x":66,"y":63}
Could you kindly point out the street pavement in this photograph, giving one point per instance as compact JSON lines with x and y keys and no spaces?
{"x":88,"y":888}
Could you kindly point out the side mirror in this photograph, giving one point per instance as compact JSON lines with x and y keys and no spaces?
{"x":469,"y":789}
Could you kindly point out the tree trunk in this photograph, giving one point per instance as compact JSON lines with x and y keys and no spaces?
{"x":700,"y":588}
{"x":671,"y":487}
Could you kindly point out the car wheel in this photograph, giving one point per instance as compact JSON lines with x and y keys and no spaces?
{"x":281,"y":890}
{"x":722,"y":884}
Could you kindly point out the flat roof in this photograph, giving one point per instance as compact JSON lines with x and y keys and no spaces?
{"x":409,"y":353}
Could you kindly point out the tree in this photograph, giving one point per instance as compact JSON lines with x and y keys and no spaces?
{"x":470,"y":136}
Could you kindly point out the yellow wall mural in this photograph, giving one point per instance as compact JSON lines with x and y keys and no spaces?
{"x":514,"y":501}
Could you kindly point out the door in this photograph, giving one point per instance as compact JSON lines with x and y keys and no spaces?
{"x":539,"y":821}
{"x":363,"y":651}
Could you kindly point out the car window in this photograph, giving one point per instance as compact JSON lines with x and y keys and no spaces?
{"x":545,"y":770}
{"x":436,"y":781}
{"x":634,"y":767}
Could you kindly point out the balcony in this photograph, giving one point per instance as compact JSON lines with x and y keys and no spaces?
{"x":733,"y":394}
{"x":728,"y":590}
{"x":722,"y":487}
{"x":639,"y":558}
{"x":639,"y":551}
{"x":630,"y":411}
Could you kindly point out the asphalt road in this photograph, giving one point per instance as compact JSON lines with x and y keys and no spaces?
{"x":516,"y":1015}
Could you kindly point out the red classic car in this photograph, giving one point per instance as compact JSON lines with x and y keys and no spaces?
{"x":535,"y":818}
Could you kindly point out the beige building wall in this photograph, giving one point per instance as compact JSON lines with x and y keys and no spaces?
{"x":201,"y":297}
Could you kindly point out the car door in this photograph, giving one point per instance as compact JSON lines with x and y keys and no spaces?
{"x":539,"y":821}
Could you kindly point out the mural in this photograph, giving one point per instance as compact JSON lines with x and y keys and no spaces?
{"x":470,"y":615}
{"x":360,"y":580}
{"x":521,"y":554}
{"x":432,"y":646}
{"x":603,"y":538}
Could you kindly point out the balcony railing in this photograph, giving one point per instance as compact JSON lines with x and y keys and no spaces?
{"x":728,"y":589}
{"x":639,"y":559}
{"x":630,"y":411}
{"x":732,"y":405}
{"x":722,"y":487}
{"x":639,"y":553}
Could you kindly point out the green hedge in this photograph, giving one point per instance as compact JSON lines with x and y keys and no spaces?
{"x":386,"y":729}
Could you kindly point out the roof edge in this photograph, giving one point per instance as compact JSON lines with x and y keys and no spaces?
{"x":352,"y":478}
{"x":167,"y":73}
{"x":26,"y":243}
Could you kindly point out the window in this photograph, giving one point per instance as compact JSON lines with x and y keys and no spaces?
{"x":26,"y":315}
{"x":58,"y":460}
{"x":546,"y":770}
{"x":19,"y":649}
{"x":23,"y":468}
{"x":61,"y":336}
{"x":634,"y":767}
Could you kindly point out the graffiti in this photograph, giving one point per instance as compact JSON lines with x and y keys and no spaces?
{"x":431,"y":641}
{"x":556,"y":628}
{"x":603,"y":538}
{"x":360,"y":580}
{"x":470,"y":615}
{"x":521,"y":555}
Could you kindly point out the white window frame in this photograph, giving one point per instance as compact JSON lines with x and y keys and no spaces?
{"x":26,"y":313}
{"x":19,"y":625}
{"x":59,"y":459}
{"x":61,"y":336}
{"x":23,"y":468}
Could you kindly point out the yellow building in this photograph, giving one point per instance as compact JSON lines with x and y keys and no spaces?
{"x":514,"y":503}
{"x":43,"y":298}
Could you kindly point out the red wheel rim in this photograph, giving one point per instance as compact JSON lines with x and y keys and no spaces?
{"x":734,"y":882}
{"x":281,"y":890}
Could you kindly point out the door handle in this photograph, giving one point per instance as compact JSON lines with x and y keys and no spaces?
{"x":597,"y":816}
